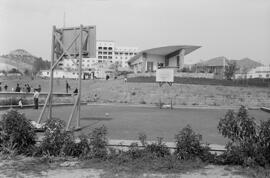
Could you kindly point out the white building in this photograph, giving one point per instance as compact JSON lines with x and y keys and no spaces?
{"x":106,"y":52}
{"x":258,"y":72}
{"x":65,"y":74}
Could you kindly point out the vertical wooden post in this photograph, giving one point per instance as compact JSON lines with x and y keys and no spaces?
{"x":80,"y":79}
{"x":51,"y":74}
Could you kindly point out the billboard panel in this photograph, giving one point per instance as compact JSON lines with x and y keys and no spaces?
{"x":88,"y":38}
{"x":165,"y":75}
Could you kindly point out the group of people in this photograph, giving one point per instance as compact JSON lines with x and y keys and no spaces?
{"x":26,"y":88}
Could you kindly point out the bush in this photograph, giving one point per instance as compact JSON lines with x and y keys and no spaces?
{"x":56,"y":139}
{"x":158,"y":149}
{"x":188,"y":145}
{"x":249,"y":142}
{"x":16,"y":133}
{"x":98,"y":142}
{"x":77,"y":148}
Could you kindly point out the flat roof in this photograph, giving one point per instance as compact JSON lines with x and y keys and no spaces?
{"x":165,"y":50}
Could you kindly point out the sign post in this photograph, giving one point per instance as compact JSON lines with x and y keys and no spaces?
{"x":165,"y":75}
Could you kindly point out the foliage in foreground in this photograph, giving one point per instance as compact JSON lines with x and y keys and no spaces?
{"x":249,"y":142}
{"x":17,"y":135}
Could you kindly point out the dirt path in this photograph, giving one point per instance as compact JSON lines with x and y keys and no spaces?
{"x":34,"y":168}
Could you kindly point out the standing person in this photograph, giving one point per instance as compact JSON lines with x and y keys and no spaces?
{"x":28,"y":88}
{"x":67,"y":86}
{"x":5,"y":87}
{"x":18,"y":88}
{"x":36,"y":95}
{"x":39,"y":88}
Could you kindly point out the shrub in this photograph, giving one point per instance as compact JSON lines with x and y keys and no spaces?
{"x":249,"y":142}
{"x":16,"y":133}
{"x":98,"y":142}
{"x":158,"y":149}
{"x":188,"y":145}
{"x":77,"y":148}
{"x":55,"y":139}
{"x":264,"y":142}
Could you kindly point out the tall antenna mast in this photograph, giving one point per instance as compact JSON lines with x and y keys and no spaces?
{"x":64,"y":24}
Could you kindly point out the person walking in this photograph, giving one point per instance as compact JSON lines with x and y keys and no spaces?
{"x":67,"y":86}
{"x":5,"y":87}
{"x":36,"y":95}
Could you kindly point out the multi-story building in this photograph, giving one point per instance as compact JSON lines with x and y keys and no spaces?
{"x":106,"y":52}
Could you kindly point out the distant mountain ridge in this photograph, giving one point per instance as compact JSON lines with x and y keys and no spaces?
{"x":247,"y":64}
{"x":19,"y":59}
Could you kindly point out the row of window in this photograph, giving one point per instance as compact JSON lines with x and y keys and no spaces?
{"x":120,"y":53}
{"x":110,"y":53}
{"x":105,"y":48}
{"x":104,"y":57}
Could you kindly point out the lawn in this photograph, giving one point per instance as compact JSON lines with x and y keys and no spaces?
{"x":115,"y":91}
{"x":125,"y":122}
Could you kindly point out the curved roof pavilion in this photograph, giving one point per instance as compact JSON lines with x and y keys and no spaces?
{"x":166,"y":51}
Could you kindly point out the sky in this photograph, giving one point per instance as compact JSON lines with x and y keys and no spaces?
{"x":232,"y":28}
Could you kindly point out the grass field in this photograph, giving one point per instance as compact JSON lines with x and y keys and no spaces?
{"x":115,"y":91}
{"x":125,"y":122}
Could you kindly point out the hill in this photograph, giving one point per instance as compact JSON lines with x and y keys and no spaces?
{"x":247,"y":64}
{"x":21,"y":60}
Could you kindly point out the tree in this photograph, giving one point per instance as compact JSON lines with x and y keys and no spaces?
{"x":40,"y":64}
{"x":230,"y":70}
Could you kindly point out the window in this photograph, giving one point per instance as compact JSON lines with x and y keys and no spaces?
{"x":87,"y":65}
{"x":105,"y":48}
{"x":87,"y":60}
{"x":121,"y":53}
{"x":99,"y":52}
{"x":130,"y":53}
{"x":104,"y":52}
{"x":267,"y":75}
{"x":100,"y":57}
{"x":150,"y":66}
{"x":110,"y":48}
{"x":104,"y":57}
{"x":110,"y":53}
{"x":116,"y":53}
{"x":177,"y":61}
{"x":110,"y":57}
{"x":126,"y":53}
{"x":100,"y":47}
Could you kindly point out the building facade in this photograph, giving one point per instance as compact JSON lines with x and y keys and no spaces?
{"x":163,"y":57}
{"x":106,"y":52}
{"x":258,"y":72}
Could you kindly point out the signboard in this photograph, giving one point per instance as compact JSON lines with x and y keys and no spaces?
{"x":88,"y":39}
{"x":165,"y":75}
